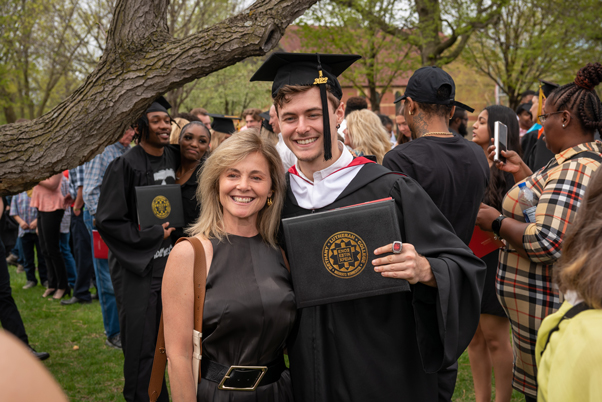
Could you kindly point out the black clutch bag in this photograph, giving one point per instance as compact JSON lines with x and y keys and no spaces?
{"x":159,"y":204}
{"x":331,"y":253}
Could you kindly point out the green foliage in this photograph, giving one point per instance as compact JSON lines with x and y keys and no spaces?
{"x":229,"y":91}
{"x":329,"y":27}
{"x":536,"y":39}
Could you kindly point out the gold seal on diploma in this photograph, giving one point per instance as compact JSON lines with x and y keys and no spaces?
{"x":345,"y":255}
{"x":161,"y":207}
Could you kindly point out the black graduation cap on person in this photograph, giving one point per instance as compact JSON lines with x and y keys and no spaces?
{"x":545,"y":89}
{"x":159,"y":105}
{"x":223,"y":124}
{"x":266,"y":121}
{"x":308,"y":69}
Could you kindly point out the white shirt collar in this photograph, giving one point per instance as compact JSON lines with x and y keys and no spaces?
{"x":344,"y":160}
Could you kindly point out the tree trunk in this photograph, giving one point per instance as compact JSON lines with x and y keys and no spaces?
{"x":141,"y":62}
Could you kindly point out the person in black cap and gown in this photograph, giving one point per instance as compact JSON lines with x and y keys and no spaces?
{"x":381,"y":348}
{"x":137,"y":257}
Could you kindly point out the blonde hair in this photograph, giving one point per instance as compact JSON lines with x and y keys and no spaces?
{"x":176,"y":127}
{"x":367,"y":134}
{"x":216,"y":139}
{"x":579,"y":266}
{"x":231,"y":152}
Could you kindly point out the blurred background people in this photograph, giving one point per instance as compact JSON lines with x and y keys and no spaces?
{"x":458,"y":122}
{"x":571,"y":115}
{"x":365,"y":135}
{"x":49,"y":201}
{"x":490,"y":347}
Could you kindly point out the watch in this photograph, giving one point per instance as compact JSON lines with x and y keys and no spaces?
{"x":496,"y":225}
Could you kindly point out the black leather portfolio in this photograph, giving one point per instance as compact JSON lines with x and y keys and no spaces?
{"x":159,"y":204}
{"x":330,"y":253}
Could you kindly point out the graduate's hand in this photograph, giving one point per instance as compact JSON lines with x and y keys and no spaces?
{"x":167,"y":231}
{"x":408,"y":265}
{"x":24,"y":225}
{"x":486,"y":216}
{"x":33,"y":224}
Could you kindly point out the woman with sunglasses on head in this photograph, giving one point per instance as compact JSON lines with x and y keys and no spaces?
{"x":490,"y":347}
{"x":571,"y":116}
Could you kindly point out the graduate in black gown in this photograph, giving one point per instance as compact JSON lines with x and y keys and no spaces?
{"x":138,"y":256}
{"x":383,"y":348}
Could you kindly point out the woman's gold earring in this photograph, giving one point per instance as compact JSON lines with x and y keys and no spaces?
{"x":270,"y":201}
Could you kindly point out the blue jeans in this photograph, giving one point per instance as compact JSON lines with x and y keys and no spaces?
{"x":69,"y":260}
{"x":104,"y":286}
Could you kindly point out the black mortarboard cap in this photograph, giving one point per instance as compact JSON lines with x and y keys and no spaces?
{"x":424,"y":85}
{"x":159,"y":105}
{"x":223,"y":124}
{"x":547,"y":87}
{"x":266,"y":121}
{"x":308,"y":69}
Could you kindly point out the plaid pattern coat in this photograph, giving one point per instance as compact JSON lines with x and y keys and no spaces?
{"x":524,"y":286}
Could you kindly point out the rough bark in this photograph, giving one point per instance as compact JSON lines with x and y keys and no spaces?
{"x":141,"y":61}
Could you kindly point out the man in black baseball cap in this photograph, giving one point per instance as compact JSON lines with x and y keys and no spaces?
{"x":453,"y":171}
{"x":379,"y":348}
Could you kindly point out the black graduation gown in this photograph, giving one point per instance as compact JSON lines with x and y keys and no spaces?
{"x":388,"y":348}
{"x":535,"y":152}
{"x":134,"y":249}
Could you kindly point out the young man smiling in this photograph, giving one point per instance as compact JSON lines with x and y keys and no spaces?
{"x":138,"y":256}
{"x":381,"y":348}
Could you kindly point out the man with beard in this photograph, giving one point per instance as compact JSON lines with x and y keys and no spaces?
{"x":138,"y":255}
{"x":454,"y":172}
{"x":458,"y":122}
{"x":381,"y":348}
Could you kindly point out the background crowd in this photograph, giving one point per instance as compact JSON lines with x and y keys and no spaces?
{"x":49,"y":232}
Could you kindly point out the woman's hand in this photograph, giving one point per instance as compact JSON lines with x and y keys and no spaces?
{"x":514,"y":164}
{"x":486,"y":216}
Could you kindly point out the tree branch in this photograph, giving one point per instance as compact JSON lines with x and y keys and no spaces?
{"x":133,"y":71}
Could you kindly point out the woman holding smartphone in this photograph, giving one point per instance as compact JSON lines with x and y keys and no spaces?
{"x":490,"y":347}
{"x":571,"y":116}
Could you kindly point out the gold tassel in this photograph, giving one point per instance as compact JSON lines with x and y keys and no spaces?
{"x":540,"y":104}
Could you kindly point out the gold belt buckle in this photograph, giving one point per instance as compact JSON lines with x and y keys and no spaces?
{"x":263,"y":369}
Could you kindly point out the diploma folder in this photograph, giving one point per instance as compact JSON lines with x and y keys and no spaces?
{"x":159,"y":204}
{"x":331,"y":253}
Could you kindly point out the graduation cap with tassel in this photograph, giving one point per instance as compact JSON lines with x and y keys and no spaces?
{"x":545,"y":89}
{"x":308,"y":69}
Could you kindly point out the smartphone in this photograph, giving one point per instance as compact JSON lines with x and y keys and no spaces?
{"x":500,"y":138}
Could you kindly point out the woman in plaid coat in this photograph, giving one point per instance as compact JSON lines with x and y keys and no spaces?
{"x":570,"y":118}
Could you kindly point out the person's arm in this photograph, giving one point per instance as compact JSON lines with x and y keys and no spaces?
{"x":79,"y":201}
{"x":52,"y":183}
{"x":177,"y":294}
{"x":21,"y":222}
{"x":511,"y":230}
{"x":514,"y":164}
{"x":447,"y":315}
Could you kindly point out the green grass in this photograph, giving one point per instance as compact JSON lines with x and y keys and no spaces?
{"x":94,"y":371}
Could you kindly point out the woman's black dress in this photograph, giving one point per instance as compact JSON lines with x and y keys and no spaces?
{"x":249,"y":312}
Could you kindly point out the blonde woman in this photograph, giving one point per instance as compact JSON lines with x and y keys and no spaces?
{"x":249,"y":304}
{"x":366,"y":135}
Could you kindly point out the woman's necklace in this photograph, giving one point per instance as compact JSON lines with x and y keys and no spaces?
{"x":447,"y":134}
{"x":188,"y":170}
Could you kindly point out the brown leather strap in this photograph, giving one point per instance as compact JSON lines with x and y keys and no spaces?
{"x":200,"y":282}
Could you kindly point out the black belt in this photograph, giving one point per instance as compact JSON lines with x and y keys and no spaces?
{"x":242,"y":378}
